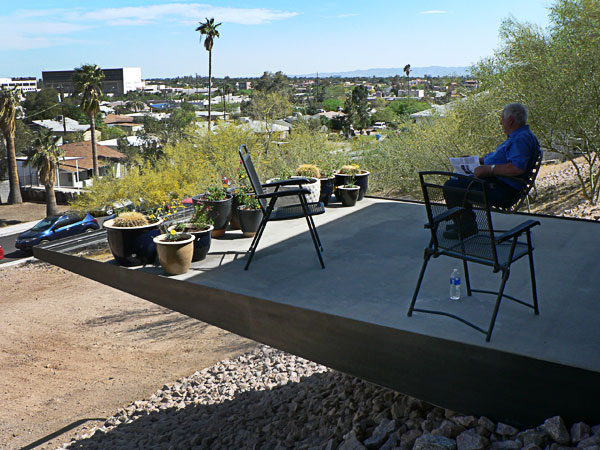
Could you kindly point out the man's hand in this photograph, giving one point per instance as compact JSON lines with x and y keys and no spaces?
{"x":482,"y":171}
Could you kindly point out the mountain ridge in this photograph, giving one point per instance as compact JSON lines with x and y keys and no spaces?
{"x":434,"y":71}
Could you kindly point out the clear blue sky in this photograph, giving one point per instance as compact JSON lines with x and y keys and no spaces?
{"x":295,"y":37}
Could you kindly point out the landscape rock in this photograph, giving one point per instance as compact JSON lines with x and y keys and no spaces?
{"x":556,"y":429}
{"x":433,"y":442}
{"x":580,"y":431}
{"x":470,"y":440}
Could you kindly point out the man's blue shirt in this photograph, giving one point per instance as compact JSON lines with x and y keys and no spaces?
{"x":520,"y":148}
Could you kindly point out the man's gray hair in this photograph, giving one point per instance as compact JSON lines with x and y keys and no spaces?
{"x":517,"y":111}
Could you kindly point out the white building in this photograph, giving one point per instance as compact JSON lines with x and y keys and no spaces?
{"x":24,"y":84}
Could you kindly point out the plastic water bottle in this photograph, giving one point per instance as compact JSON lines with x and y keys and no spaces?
{"x":455,"y":285}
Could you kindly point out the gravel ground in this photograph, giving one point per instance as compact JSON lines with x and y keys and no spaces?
{"x":268,"y":399}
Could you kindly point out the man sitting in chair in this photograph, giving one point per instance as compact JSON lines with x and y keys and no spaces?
{"x":515,"y":157}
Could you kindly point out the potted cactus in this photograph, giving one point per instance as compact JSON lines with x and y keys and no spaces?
{"x":130,"y":238}
{"x":175,"y":251}
{"x":250,"y":215}
{"x":352,"y":172}
{"x":217,"y":203}
{"x":200,"y":226}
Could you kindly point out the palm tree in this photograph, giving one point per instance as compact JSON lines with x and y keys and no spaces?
{"x":209,"y":29}
{"x":407,"y":72}
{"x":44,"y":156}
{"x":88,"y":82}
{"x":8,"y":110}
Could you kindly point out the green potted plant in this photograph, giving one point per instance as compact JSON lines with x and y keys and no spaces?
{"x":217,"y":203}
{"x":130,"y":237}
{"x":175,"y":251}
{"x":352,"y":171}
{"x":200,"y":226}
{"x":250,"y":215}
{"x":348,"y":193}
{"x":237,"y":200}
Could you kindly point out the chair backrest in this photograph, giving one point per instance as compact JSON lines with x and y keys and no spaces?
{"x":528,"y":182}
{"x":480,"y":246}
{"x":252,"y":175}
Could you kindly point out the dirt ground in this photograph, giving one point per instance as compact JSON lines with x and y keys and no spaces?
{"x":73,"y":351}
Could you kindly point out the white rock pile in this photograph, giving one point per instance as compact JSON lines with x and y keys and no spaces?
{"x":268,"y":399}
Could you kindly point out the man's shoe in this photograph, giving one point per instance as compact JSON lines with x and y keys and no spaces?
{"x":453,"y":233}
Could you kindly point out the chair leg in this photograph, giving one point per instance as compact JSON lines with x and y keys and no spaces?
{"x":418,"y":287}
{"x":314,"y":236}
{"x":316,"y":233}
{"x":467,"y":280}
{"x":257,"y":237}
{"x":505,"y":275}
{"x":532,"y":275}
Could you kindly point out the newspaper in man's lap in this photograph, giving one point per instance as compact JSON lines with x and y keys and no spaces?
{"x":465,"y":165}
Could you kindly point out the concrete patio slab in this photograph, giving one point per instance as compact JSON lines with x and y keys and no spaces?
{"x":352,"y":316}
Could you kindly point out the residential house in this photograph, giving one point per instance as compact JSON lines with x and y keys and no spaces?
{"x":125,"y":123}
{"x":77,"y":167}
{"x":65,"y":128}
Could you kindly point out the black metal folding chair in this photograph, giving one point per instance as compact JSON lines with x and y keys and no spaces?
{"x":527,"y":182}
{"x":270,"y":212}
{"x":486,"y":246}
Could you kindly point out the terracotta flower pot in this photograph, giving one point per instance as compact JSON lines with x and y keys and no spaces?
{"x":132,"y":246}
{"x":175,"y":256}
{"x":202,"y":241}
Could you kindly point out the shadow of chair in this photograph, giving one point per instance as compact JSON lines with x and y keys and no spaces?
{"x":482,"y":245}
{"x":272,"y":213}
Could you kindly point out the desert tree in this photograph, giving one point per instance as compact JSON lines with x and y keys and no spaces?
{"x":88,"y":82}
{"x":9,"y":103}
{"x":44,"y":156}
{"x":209,"y":30}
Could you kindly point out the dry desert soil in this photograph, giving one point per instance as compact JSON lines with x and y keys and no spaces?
{"x":73,"y":351}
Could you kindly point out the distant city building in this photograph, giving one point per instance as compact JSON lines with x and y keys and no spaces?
{"x":244,"y":85}
{"x":116,"y":81}
{"x":24,"y":84}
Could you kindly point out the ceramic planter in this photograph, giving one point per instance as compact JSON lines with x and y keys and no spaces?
{"x":175,"y":256}
{"x":132,"y":246}
{"x":360,"y":179}
{"x":202,"y":241}
{"x":234,"y":218}
{"x":348,"y":195}
{"x":327,"y":185}
{"x":314,"y":187}
{"x":219,"y":211}
{"x":249,"y":220}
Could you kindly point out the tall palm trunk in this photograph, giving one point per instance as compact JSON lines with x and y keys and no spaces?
{"x":209,"y":87}
{"x":51,"y":208}
{"x":14,"y":196}
{"x":94,"y":149}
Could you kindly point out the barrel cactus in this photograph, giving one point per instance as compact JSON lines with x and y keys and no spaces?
{"x":131,"y":219}
{"x":308,"y":170}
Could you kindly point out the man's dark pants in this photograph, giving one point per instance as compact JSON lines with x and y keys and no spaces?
{"x":498,"y":194}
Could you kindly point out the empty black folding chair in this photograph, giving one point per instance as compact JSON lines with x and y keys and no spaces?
{"x":302,"y":209}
